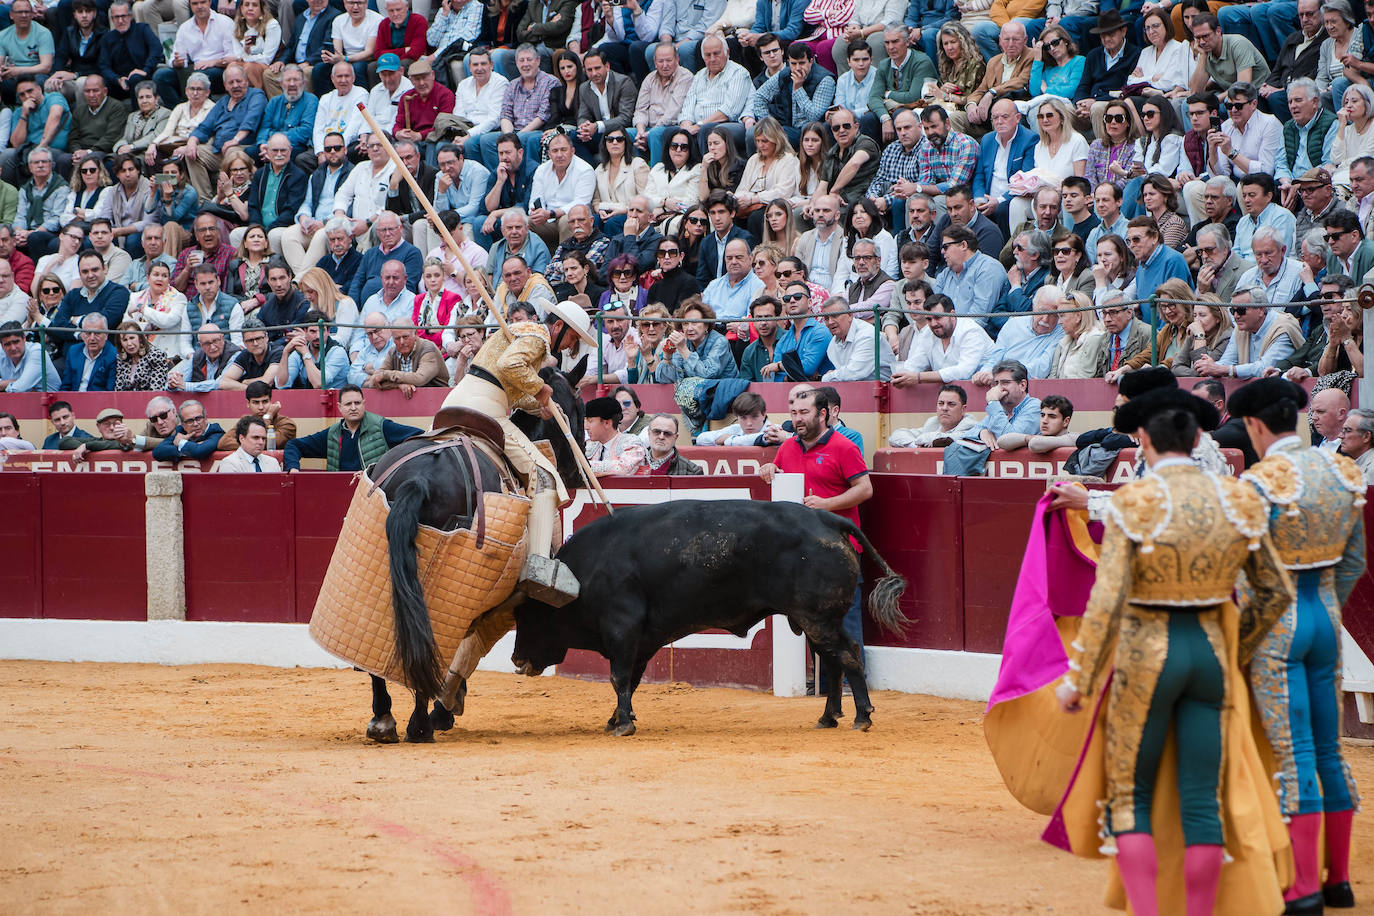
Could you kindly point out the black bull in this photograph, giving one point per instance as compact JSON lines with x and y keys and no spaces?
{"x":654,"y":574}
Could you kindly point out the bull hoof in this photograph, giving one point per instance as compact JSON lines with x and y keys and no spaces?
{"x":827,"y":721}
{"x":440,"y":719}
{"x":624,"y":731}
{"x":383,"y":730}
{"x":862,"y":725}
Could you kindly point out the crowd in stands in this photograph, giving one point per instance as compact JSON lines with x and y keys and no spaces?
{"x":193,"y":199}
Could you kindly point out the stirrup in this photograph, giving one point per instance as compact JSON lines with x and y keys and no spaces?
{"x":548,"y":580}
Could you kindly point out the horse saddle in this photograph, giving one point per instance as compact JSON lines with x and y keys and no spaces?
{"x":472,"y":422}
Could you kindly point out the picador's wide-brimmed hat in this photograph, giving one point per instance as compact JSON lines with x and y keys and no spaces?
{"x":1138,"y":411}
{"x":575,"y":318}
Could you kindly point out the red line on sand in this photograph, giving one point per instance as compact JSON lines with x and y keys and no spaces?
{"x":490,"y":897}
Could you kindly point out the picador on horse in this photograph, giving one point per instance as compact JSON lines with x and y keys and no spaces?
{"x":470,"y":515}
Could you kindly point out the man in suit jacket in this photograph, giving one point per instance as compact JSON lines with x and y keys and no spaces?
{"x":1127,"y":335}
{"x":1019,"y":141}
{"x":1351,"y":253}
{"x":291,"y":185}
{"x":605,"y":102}
{"x":720,"y":210}
{"x":195,"y":437}
{"x":897,"y":83}
{"x":95,"y":294}
{"x":129,"y":52}
{"x":639,"y":239}
{"x":90,"y":365}
{"x":1108,"y":67}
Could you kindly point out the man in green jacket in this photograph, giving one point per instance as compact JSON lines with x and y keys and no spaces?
{"x":353,"y":443}
{"x":897,"y":83}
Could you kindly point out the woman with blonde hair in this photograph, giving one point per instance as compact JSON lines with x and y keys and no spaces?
{"x":1061,"y":152}
{"x":772,"y":173}
{"x":960,"y":63}
{"x":139,"y":366}
{"x":1207,"y":334}
{"x":653,"y":330}
{"x":257,"y":39}
{"x":1177,"y":316}
{"x":231,"y":191}
{"x":1078,"y":353}
{"x":767,"y":256}
{"x":780,"y":226}
{"x":319,"y":289}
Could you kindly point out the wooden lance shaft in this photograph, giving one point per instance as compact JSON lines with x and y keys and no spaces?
{"x":439,"y":226}
{"x":452,"y":244}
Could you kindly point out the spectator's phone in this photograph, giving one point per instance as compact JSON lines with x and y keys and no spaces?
{"x":617,"y":2}
{"x":1216,"y":122}
{"x":166,"y":177}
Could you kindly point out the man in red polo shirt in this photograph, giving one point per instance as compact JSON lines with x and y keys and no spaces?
{"x":421,"y":105}
{"x":836,"y":477}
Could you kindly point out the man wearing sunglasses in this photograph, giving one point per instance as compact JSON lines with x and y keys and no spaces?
{"x":303,"y":243}
{"x":1262,"y":337}
{"x":1351,"y":253}
{"x":852,"y":160}
{"x":1319,"y":201}
{"x":161,"y":414}
{"x":195,"y":437}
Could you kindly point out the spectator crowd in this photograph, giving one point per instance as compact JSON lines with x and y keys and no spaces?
{"x":192,"y":198}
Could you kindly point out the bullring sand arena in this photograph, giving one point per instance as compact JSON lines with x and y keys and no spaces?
{"x":212,"y":789}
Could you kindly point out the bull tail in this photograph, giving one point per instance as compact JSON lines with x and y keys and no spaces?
{"x":883,"y":601}
{"x":414,"y":638}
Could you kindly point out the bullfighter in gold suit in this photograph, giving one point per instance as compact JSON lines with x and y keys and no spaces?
{"x":1317,"y":524}
{"x":1160,"y":624}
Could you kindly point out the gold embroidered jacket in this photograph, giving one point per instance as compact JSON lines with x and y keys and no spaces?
{"x":1179,"y":538}
{"x":1319,"y":498}
{"x":515,"y":359}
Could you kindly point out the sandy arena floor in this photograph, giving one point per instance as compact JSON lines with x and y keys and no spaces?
{"x":137,"y":788}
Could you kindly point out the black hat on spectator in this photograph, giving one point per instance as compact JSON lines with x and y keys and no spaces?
{"x":1108,"y":22}
{"x":605,"y":409}
{"x":1136,"y":412}
{"x":1265,"y":393}
{"x":1134,"y":384}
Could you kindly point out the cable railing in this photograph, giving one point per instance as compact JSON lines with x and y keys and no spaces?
{"x":325,"y":326}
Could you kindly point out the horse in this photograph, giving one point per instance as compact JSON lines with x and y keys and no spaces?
{"x":439,"y":489}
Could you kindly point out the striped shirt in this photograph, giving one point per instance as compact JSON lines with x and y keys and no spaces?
{"x":727,"y":92}
{"x":465,"y":23}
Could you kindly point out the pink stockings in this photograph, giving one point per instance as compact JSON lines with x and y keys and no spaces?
{"x":1139,"y":868}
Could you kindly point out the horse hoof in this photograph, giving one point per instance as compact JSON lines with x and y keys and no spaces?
{"x":827,"y":722}
{"x":862,"y":725}
{"x":624,"y":731}
{"x":440,"y":719}
{"x":426,"y":738}
{"x":383,"y":730}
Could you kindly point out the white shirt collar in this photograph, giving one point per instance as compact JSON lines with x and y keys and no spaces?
{"x":1281,"y":443}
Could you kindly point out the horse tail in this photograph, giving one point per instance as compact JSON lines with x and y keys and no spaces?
{"x":414,"y":638}
{"x":887,"y":592}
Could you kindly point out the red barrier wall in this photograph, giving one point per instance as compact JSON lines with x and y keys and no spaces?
{"x":1021,"y":464}
{"x":257,"y":546}
{"x":64,"y":462}
{"x":21,"y":545}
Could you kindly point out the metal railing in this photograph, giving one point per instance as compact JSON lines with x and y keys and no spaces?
{"x":597,"y":318}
